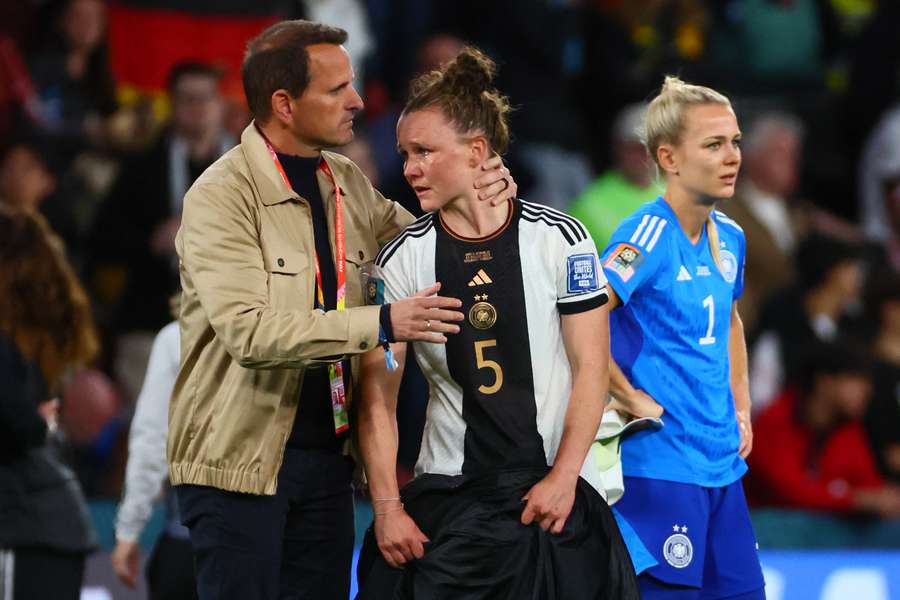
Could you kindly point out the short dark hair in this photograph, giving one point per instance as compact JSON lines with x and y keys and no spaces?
{"x":818,"y":255}
{"x":187,"y":68}
{"x":883,"y":287}
{"x":277,"y":59}
{"x":842,"y":356}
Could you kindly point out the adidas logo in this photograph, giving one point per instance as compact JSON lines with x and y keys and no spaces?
{"x":481,"y":278}
{"x":683,"y":274}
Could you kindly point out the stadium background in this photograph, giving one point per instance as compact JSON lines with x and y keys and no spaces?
{"x":569,"y":66}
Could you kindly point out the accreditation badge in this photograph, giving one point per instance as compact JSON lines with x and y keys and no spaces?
{"x":338,"y":397}
{"x":371,"y":285}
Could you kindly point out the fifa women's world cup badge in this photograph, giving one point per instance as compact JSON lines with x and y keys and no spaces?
{"x":678,"y":549}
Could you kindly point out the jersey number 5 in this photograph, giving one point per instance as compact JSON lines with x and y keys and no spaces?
{"x":482,"y":363}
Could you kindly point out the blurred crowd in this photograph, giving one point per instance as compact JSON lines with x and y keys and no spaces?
{"x":816,"y":84}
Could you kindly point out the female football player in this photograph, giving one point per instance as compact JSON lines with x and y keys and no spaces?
{"x":675,"y":270}
{"x":497,"y":509}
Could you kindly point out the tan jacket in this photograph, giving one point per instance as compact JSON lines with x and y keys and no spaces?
{"x":248,"y":329}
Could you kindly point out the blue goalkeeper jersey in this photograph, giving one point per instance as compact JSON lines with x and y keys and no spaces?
{"x":670,"y":338}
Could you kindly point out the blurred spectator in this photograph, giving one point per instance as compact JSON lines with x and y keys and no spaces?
{"x":874,"y":82}
{"x":25,"y":181}
{"x":134,"y":268}
{"x":18,"y":19}
{"x":764,"y":206}
{"x":667,"y":35}
{"x":74,"y":82}
{"x":891,"y":245}
{"x":541,"y":47}
{"x":629,"y":47}
{"x":774,"y":45}
{"x":170,"y":570}
{"x":18,"y":97}
{"x":352,"y":17}
{"x":830,"y":275}
{"x":621,"y":190}
{"x":382,"y":130}
{"x":45,"y":329}
{"x":883,"y":417}
{"x":360,"y":152}
{"x":879,"y":177}
{"x":811,"y":451}
{"x":399,"y":29}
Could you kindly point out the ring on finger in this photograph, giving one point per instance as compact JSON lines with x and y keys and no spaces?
{"x":428,"y":324}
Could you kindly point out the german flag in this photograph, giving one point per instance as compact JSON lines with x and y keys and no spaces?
{"x":147,"y":37}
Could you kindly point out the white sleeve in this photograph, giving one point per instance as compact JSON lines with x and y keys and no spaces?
{"x":147,"y":468}
{"x":580,"y":281}
{"x":886,"y":161}
{"x":766,"y":371}
{"x":394,"y":276}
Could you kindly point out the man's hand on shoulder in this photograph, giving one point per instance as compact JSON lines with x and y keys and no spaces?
{"x":425,"y":317}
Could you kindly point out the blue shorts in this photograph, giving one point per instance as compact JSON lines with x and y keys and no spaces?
{"x":702,"y":538}
{"x":641,"y":559}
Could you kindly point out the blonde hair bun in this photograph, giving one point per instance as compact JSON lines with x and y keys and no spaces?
{"x":665,"y":114}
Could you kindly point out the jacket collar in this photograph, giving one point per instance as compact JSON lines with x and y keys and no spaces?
{"x":272,"y":187}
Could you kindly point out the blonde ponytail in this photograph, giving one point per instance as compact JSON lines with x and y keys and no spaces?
{"x":712,"y":234}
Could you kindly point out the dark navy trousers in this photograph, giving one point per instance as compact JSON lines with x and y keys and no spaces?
{"x":297,"y":544}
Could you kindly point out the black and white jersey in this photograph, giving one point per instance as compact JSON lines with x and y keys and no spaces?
{"x":499,"y":389}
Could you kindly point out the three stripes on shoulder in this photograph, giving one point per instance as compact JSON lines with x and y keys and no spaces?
{"x":648,"y":231}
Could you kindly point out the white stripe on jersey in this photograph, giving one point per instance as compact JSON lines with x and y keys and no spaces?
{"x":659,"y":228}
{"x":720,"y":216}
{"x":533,"y":212}
{"x":648,"y":232}
{"x":637,"y":232}
{"x":417,"y":229}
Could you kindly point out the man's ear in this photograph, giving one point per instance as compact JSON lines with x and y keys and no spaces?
{"x":282,"y":109}
{"x":665,"y":156}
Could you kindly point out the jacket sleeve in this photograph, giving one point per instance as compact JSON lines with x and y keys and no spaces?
{"x":222,"y":259}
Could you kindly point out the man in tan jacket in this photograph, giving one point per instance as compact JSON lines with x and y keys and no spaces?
{"x":273,"y":243}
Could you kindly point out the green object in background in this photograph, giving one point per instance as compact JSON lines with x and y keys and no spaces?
{"x":607,"y":202}
{"x":854,"y":8}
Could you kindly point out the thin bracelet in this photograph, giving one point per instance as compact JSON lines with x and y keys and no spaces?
{"x":376,"y":500}
{"x":390,"y":510}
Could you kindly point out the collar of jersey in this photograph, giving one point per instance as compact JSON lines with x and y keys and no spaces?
{"x":509,"y":217}
{"x":701,"y":243}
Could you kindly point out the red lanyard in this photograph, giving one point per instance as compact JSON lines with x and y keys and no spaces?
{"x":340,"y":249}
{"x":336,"y":369}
